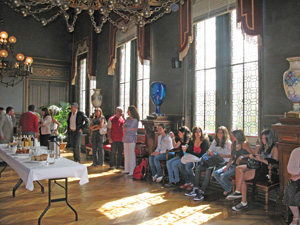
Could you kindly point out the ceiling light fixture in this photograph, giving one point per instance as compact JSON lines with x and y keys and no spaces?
{"x":133,"y":12}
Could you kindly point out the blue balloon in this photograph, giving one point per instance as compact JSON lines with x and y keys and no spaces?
{"x":158,"y":93}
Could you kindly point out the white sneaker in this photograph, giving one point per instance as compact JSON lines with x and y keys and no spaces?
{"x":159,"y":179}
{"x":130,"y":174}
{"x":154,"y":178}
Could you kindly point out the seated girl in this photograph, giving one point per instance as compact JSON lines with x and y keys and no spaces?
{"x":172,"y":164}
{"x":164,"y":143}
{"x":197,"y":147}
{"x":221,"y":145}
{"x":265,"y":152}
{"x":292,"y":190}
{"x":239,"y":149}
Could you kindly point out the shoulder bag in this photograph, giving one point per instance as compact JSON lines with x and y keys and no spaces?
{"x":103,"y":129}
{"x":253,"y":164}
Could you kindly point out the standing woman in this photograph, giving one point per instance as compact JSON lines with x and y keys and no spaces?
{"x":292,"y":190}
{"x":54,"y":126}
{"x":265,"y":152}
{"x":184,"y":134}
{"x":45,"y":127}
{"x":129,"y":139}
{"x":97,"y":138}
{"x":239,"y":149}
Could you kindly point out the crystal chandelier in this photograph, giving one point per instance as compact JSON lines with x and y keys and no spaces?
{"x":13,"y":67}
{"x":132,"y":12}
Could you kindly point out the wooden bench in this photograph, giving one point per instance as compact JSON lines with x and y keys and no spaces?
{"x":265,"y":186}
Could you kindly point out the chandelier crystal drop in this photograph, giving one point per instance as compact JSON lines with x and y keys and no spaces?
{"x":13,"y":67}
{"x":132,"y":12}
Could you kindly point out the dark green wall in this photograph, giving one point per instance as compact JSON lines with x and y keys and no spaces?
{"x":104,"y":81}
{"x":280,"y":39}
{"x":52,"y":41}
{"x":164,"y":47}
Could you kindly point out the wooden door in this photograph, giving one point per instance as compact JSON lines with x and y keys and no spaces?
{"x":38,"y":93}
{"x":44,"y":93}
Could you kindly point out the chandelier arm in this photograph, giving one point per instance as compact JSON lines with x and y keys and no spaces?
{"x":11,"y":6}
{"x":97,"y":28}
{"x":37,"y":11}
{"x":50,"y":19}
{"x":121,"y":15}
{"x":41,"y":2}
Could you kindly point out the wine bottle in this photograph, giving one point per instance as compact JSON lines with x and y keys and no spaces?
{"x":26,"y":141}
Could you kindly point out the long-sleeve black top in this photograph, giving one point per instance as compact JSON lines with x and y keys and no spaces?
{"x":183,"y":143}
{"x":204,"y":147}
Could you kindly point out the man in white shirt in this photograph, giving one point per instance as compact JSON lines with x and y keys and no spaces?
{"x":77,"y":121}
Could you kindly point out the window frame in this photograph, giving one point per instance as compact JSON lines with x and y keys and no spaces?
{"x":223,"y":75}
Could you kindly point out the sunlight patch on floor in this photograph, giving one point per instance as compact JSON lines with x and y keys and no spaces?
{"x":131,"y":204}
{"x":95,"y":175}
{"x":184,"y":215}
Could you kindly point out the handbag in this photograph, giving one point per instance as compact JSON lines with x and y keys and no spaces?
{"x":253,"y":164}
{"x":189,"y":158}
{"x":214,"y":160}
{"x":103,"y":129}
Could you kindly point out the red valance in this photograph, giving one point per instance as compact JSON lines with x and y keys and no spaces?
{"x":248,"y":12}
{"x":112,"y":49}
{"x":185,"y":35}
{"x":143,"y":39}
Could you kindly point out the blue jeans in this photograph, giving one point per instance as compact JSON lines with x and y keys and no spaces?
{"x":187,"y":172}
{"x":205,"y":182}
{"x":223,"y":177}
{"x":98,"y":152}
{"x":155,"y":164}
{"x":172,"y":166}
{"x":29,"y":133}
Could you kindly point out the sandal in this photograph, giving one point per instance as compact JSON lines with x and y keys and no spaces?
{"x":190,"y":187}
{"x":185,"y":185}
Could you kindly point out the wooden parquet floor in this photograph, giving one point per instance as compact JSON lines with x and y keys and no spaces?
{"x":113,"y":198}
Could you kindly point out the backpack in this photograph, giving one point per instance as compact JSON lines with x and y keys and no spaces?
{"x":140,"y":170}
{"x":103,"y":129}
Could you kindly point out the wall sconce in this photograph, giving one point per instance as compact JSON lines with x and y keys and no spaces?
{"x":176,"y":63}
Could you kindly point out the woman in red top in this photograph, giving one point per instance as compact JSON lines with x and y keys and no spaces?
{"x":197,"y":147}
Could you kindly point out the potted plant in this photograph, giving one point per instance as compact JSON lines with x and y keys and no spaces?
{"x":61,"y":112}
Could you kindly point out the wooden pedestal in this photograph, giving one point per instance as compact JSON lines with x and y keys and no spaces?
{"x":288,"y":131}
{"x":151,"y":129}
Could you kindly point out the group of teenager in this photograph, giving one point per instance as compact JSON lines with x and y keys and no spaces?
{"x":194,"y":148}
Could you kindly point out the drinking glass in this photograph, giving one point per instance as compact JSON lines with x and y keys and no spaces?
{"x":51,"y":157}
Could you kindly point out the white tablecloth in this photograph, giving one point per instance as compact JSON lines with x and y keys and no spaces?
{"x":30,"y":171}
